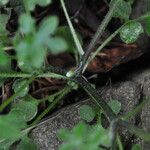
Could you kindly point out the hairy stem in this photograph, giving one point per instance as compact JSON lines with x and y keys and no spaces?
{"x":28,"y":75}
{"x":96,"y":97}
{"x":76,"y":40}
{"x":101,"y":47}
{"x":96,"y":37}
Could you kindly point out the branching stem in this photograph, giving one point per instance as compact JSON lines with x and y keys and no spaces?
{"x":96,"y":37}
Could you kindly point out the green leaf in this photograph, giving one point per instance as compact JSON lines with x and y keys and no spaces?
{"x":130,"y":32}
{"x":136,"y":147}
{"x":44,"y":2}
{"x":25,"y":108}
{"x":3,"y":21}
{"x":3,"y":2}
{"x":6,"y":143}
{"x":5,"y":61}
{"x":115,"y":106}
{"x":98,"y":136}
{"x":87,"y":113}
{"x":56,"y":45}
{"x":5,"y":64}
{"x":10,"y":126}
{"x":47,"y":27}
{"x":3,"y":32}
{"x":26,"y":144}
{"x":64,"y":134}
{"x":64,"y":32}
{"x":30,"y":54}
{"x":84,"y":137}
{"x":32,"y":3}
{"x":18,"y":84}
{"x":27,"y":24}
{"x":123,"y":9}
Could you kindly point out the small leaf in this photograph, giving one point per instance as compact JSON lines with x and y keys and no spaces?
{"x":32,"y":3}
{"x":18,"y":84}
{"x":87,"y":113}
{"x":64,"y":134}
{"x":3,"y":22}
{"x":47,"y":27}
{"x":136,"y":147}
{"x":130,"y":32}
{"x":25,"y":108}
{"x":28,"y":48}
{"x":6,"y":144}
{"x":44,"y":2}
{"x":56,"y":45}
{"x":5,"y":61}
{"x":27,"y":24}
{"x":64,"y":32}
{"x":3,"y":2}
{"x":123,"y":9}
{"x":5,"y":64}
{"x":10,"y":126}
{"x":26,"y":144}
{"x":115,"y":106}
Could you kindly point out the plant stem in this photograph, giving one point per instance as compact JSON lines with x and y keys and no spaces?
{"x":63,"y":93}
{"x":136,"y":110}
{"x":76,"y":40}
{"x":101,"y":47}
{"x":96,"y":37}
{"x":28,"y":75}
{"x":51,"y":96}
{"x":95,"y":97}
{"x":9,"y":100}
{"x":120,"y":145}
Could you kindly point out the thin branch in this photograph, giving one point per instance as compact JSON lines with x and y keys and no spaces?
{"x":93,"y":55}
{"x":76,"y":40}
{"x":28,"y":75}
{"x":63,"y":93}
{"x":96,"y":37}
{"x":95,"y":97}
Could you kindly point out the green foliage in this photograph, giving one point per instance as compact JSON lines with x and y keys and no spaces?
{"x":84,"y":137}
{"x":115,"y":106}
{"x":18,"y":84}
{"x":10,"y":126}
{"x":25,"y":108}
{"x":136,"y":147}
{"x":123,"y":9}
{"x":35,"y":41}
{"x":87,"y":113}
{"x":3,"y":32}
{"x":3,"y":2}
{"x":64,"y":32}
{"x":131,"y":31}
{"x":26,"y":144}
{"x":30,"y":4}
{"x":31,"y":45}
{"x":5,"y":64}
